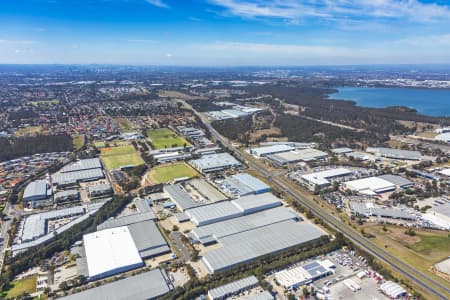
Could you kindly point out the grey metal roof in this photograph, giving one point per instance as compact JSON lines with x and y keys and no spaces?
{"x":265,"y":295}
{"x":36,"y":189}
{"x":257,"y":202}
{"x":233,"y":287}
{"x":127,"y":220}
{"x":148,"y":239}
{"x":297,"y":155}
{"x":207,"y":190}
{"x":84,"y":164}
{"x":397,"y":153}
{"x":371,"y":209}
{"x":180,"y":196}
{"x":397,"y":180}
{"x":249,"y":245}
{"x":142,"y":205}
{"x":215,"y":161}
{"x":213,"y":213}
{"x":66,"y":194}
{"x":148,"y":285}
{"x":251,"y":182}
{"x":99,"y":187}
{"x":76,"y":176}
{"x":442,"y":209}
{"x":244,"y":223}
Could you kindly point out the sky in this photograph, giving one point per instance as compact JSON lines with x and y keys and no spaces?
{"x":225,"y":32}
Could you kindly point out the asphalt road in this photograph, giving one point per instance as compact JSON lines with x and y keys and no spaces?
{"x":428,"y":283}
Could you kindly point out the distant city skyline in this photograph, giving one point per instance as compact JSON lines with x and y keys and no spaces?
{"x":225,"y":32}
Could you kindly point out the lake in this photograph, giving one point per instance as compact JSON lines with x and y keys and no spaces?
{"x":432,"y":102}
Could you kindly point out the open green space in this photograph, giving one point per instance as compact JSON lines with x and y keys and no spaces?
{"x":167,"y":173}
{"x":100,"y":144}
{"x":78,"y":141}
{"x":20,"y":287}
{"x":436,"y":246}
{"x":116,"y":157}
{"x":124,"y":124}
{"x":44,"y":102}
{"x":165,"y":138}
{"x":26,"y":131}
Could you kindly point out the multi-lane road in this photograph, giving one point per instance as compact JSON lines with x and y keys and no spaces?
{"x":426,"y":282}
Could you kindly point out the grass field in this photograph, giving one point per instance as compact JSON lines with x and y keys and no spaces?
{"x":31,"y":130}
{"x":44,"y":102}
{"x":100,"y":144}
{"x":116,"y":157}
{"x":124,"y":124}
{"x":27,"y":285}
{"x":165,"y":138}
{"x":78,"y":141}
{"x":167,"y":173}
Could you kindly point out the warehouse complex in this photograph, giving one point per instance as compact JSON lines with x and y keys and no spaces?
{"x":247,"y":246}
{"x":81,"y":171}
{"x":243,"y":184}
{"x":395,"y":153}
{"x":322,"y":179}
{"x":109,"y":252}
{"x":369,"y":209}
{"x":270,"y":150}
{"x":215,"y":162}
{"x":378,"y":185}
{"x":232,"y":288}
{"x":295,"y":156}
{"x":306,"y":274}
{"x":38,"y":193}
{"x":148,"y":285}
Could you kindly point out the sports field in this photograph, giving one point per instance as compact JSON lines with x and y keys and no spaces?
{"x":116,"y":157}
{"x":165,"y":138}
{"x":20,"y":287}
{"x":78,"y":141}
{"x":167,"y":173}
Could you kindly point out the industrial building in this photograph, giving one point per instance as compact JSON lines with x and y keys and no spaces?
{"x":38,"y":193}
{"x":67,"y":196}
{"x":322,"y":179}
{"x":369,"y":209}
{"x":100,"y":190}
{"x":80,"y":171}
{"x":445,"y":172}
{"x":264,"y":295}
{"x":225,"y":210}
{"x":109,"y":252}
{"x":439,"y":216}
{"x":180,"y":197}
{"x":443,"y":137}
{"x":378,"y":185}
{"x":306,"y":274}
{"x":395,"y":153}
{"x":144,"y":286}
{"x":204,"y":190}
{"x":243,"y":184}
{"x":215,"y":162}
{"x":342,"y":150}
{"x":249,"y":245}
{"x":270,"y":150}
{"x":233,"y":288}
{"x":127,"y":220}
{"x":213,"y":232}
{"x":393,"y":290}
{"x":296,"y":156}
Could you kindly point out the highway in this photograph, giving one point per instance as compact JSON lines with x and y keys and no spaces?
{"x":425,"y":281}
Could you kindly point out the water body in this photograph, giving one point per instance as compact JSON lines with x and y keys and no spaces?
{"x":432,"y":102}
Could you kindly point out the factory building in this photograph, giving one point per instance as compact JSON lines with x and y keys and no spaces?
{"x":369,"y":209}
{"x":81,"y":165}
{"x":270,"y":150}
{"x":243,"y":184}
{"x":322,"y":179}
{"x":80,"y":171}
{"x":144,"y":286}
{"x":377,"y":185}
{"x":393,"y":290}
{"x":306,"y":274}
{"x":215,"y":162}
{"x":233,"y":288}
{"x":67,"y":196}
{"x":292,"y":157}
{"x":37,"y":193}
{"x":395,"y":153}
{"x":100,"y":190}
{"x":247,"y":246}
{"x":109,"y":252}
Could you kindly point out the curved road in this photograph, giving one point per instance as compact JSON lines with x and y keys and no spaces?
{"x":428,"y":283}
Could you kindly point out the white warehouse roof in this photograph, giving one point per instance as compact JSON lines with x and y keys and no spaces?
{"x":370,"y":185}
{"x":263,"y":151}
{"x":321,"y":178}
{"x":110,"y":251}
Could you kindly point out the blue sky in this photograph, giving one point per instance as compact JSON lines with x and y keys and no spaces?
{"x":225,"y":32}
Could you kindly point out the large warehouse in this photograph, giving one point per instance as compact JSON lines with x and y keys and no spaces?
{"x":225,"y":210}
{"x":395,"y":153}
{"x":148,"y":285}
{"x":296,"y":156}
{"x":378,"y":185}
{"x":37,"y":193}
{"x":322,"y":179}
{"x":243,"y":184}
{"x":110,"y":251}
{"x":215,"y":162}
{"x":80,"y":171}
{"x":269,"y":150}
{"x":249,"y":245}
{"x":303,"y":275}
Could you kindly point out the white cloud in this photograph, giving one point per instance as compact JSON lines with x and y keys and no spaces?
{"x":158,"y":3}
{"x":412,"y":10}
{"x":438,"y":40}
{"x":17,"y":42}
